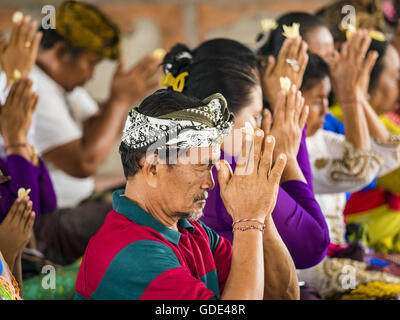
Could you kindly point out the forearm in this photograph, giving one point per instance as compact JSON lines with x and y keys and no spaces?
{"x":376,"y":128}
{"x":246,"y":276}
{"x":17,"y":272}
{"x":303,"y":159}
{"x":19,"y":145}
{"x":292,"y":171}
{"x":279,"y":270}
{"x":301,"y":224}
{"x":102,"y":130}
{"x":356,"y":128}
{"x":81,"y":157}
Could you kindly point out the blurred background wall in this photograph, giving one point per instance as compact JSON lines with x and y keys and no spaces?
{"x":150,"y":24}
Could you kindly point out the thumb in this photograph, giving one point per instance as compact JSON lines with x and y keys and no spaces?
{"x":270,"y":65}
{"x":2,"y":44}
{"x":266,"y":121}
{"x":2,"y":48}
{"x":224,"y":173}
{"x":370,"y":61}
{"x":120,"y":67}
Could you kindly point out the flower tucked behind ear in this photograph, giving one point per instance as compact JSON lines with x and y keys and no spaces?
{"x":159,"y":53}
{"x":22,"y":193}
{"x":292,"y":31}
{"x":268,"y":25}
{"x":285,"y":84}
{"x":17,"y":17}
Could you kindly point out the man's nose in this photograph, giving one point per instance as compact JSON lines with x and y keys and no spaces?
{"x":208,"y":183}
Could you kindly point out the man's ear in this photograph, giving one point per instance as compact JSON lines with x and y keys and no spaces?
{"x":61,"y":52}
{"x":150,"y":169}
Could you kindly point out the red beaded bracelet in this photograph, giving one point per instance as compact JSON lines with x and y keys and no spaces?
{"x":15,"y":145}
{"x":247,"y":220}
{"x":245,"y":228}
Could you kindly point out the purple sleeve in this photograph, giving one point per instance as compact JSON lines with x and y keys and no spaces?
{"x":298,"y":219}
{"x":297,"y":216}
{"x":304,"y":161}
{"x":25,"y":175}
{"x":301,"y":224}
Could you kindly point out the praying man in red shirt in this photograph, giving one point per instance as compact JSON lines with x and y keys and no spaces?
{"x":152,"y":245}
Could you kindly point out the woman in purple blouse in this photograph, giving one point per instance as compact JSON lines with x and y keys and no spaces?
{"x":20,"y":169}
{"x":228,"y":67}
{"x":21,"y":165}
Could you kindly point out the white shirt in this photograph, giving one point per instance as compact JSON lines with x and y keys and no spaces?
{"x":57,"y":121}
{"x":338,"y":167}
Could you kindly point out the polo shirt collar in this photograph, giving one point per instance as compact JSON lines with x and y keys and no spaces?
{"x":136,"y":214}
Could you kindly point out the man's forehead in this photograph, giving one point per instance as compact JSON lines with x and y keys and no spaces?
{"x":204,"y":155}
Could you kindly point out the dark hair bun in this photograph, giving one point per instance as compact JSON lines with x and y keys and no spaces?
{"x":177,"y":59}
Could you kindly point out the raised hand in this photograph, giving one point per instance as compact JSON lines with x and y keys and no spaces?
{"x":133,"y":84}
{"x":17,"y":112}
{"x":251,"y":191}
{"x":289,"y":119}
{"x":16,"y":230}
{"x":293,"y":51}
{"x":352,"y":71}
{"x":19,"y":55}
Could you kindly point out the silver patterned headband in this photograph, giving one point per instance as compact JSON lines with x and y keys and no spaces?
{"x":189,"y":128}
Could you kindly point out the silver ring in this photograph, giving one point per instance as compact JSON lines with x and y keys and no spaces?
{"x":294,"y":64}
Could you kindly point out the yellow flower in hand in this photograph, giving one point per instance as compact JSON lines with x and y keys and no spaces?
{"x":22,"y":192}
{"x":291,"y":32}
{"x":268,"y":25}
{"x":17,"y":17}
{"x":285,"y":84}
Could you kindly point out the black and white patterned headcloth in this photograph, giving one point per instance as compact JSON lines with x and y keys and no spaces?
{"x":189,"y":128}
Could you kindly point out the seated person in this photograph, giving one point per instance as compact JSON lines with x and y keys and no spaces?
{"x":230,"y":68}
{"x":21,"y":167}
{"x":9,"y":289}
{"x":342,"y":163}
{"x":69,"y":131}
{"x":152,"y":245}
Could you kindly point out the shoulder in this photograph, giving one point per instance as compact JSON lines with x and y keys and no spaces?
{"x":122,"y":259}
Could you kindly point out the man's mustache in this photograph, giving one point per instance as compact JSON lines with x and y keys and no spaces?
{"x":204,"y":196}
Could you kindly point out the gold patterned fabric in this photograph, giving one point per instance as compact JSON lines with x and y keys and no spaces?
{"x":85,"y":27}
{"x":369,"y":15}
{"x":334,"y":275}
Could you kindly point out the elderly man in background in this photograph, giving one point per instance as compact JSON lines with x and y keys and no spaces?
{"x":68,"y":130}
{"x":152,"y":245}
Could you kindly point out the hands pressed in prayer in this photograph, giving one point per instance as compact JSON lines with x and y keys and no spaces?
{"x":16,"y":117}
{"x":396,"y":38}
{"x":294,"y":50}
{"x":18,"y":56}
{"x":251,"y":191}
{"x":16,"y":230}
{"x":132,"y":85}
{"x":351,"y":71}
{"x":290,"y":116}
